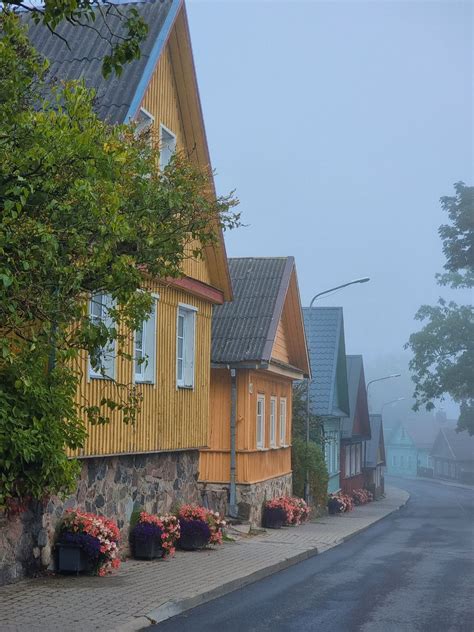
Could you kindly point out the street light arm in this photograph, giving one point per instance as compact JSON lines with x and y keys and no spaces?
{"x":379,"y":379}
{"x":339,"y":287}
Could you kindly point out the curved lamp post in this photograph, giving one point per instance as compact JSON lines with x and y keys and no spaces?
{"x":393,"y":401}
{"x":338,"y":287}
{"x":316,"y":296}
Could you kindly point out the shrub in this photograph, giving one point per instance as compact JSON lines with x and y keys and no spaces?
{"x":340,"y":503}
{"x":362,"y":496}
{"x":97,"y":536}
{"x":309,"y":457}
{"x":212,"y":519}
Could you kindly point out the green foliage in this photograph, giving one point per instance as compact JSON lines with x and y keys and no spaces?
{"x":308,"y":457}
{"x":443,"y":350}
{"x":124,"y":40}
{"x":83,"y":209}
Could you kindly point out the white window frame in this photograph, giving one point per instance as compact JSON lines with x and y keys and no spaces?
{"x":394,"y":460}
{"x":166,"y":155}
{"x":260,"y":421}
{"x":348,"y":461}
{"x":353,"y":465}
{"x":273,"y":414}
{"x":144,"y":122}
{"x":145,"y":373}
{"x":358,"y":455}
{"x":283,"y":414}
{"x":188,"y":312}
{"x":107,"y":368}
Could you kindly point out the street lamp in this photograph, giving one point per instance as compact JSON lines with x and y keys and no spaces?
{"x":379,"y":379}
{"x":316,"y":296}
{"x":338,"y":287}
{"x":393,"y":401}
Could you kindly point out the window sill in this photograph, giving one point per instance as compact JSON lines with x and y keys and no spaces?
{"x":261,"y":449}
{"x":149,"y":382}
{"x":185,"y":388}
{"x":94,"y":376}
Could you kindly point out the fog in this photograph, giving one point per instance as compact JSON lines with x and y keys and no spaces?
{"x":340,"y":125}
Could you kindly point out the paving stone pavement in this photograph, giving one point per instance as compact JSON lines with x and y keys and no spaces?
{"x":142,"y":592}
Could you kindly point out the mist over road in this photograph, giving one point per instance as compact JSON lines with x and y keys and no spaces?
{"x":413,"y":571}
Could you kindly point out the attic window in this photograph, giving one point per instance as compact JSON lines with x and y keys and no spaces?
{"x":167,"y":146}
{"x":144,"y":123}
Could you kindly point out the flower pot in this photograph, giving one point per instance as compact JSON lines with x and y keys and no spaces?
{"x":149,"y":549}
{"x":192,"y":542}
{"x":273,"y":518}
{"x":71,"y":558}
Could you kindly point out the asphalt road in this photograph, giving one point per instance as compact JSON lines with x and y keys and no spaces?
{"x":413,"y":571}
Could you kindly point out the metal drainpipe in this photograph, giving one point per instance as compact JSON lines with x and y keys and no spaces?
{"x":233,"y":511}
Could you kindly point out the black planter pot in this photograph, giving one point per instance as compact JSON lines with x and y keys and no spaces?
{"x":71,"y":558}
{"x":334,"y":506}
{"x":273,"y":518}
{"x":192,"y":542}
{"x":149,"y":549}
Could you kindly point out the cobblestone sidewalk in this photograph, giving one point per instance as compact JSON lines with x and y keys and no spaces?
{"x":144,"y":592}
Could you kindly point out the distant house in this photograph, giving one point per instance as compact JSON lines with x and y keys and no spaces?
{"x":329,"y":398}
{"x":453,"y":456}
{"x":374,"y":458}
{"x":258,"y":350}
{"x":408,"y":446}
{"x":355,"y":429}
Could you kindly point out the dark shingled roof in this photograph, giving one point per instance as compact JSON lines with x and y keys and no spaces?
{"x":372,"y":445}
{"x":324,"y":328}
{"x":88,"y":46}
{"x":355,"y":370}
{"x":244,"y":330}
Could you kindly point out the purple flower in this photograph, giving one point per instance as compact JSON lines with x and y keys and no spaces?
{"x":194,"y":529}
{"x":146,"y":531}
{"x":88,"y":543}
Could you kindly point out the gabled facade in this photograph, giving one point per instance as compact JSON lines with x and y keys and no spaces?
{"x":329,"y":398}
{"x":153,"y":464}
{"x":374,"y":458}
{"x":258,"y":350}
{"x":453,"y":456}
{"x":355,"y":429}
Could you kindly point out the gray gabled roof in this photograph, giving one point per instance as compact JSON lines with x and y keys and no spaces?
{"x":372,"y":445}
{"x":325,"y":337}
{"x":244,"y":330}
{"x":358,"y":407}
{"x":88,"y":45}
{"x":456,"y":445}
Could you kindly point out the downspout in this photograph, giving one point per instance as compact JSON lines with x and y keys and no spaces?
{"x":233,"y":511}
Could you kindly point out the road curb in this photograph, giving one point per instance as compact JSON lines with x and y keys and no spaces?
{"x":173,"y":608}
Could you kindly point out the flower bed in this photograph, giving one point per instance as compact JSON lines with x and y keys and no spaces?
{"x":154,"y":536}
{"x":362,"y":496}
{"x":296,"y":510}
{"x":199,"y":527}
{"x":340,"y":503}
{"x":96,"y":539}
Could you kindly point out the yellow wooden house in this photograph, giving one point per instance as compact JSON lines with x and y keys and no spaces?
{"x":154,"y":463}
{"x":258,"y":350}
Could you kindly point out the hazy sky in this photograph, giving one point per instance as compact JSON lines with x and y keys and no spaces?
{"x":340,"y":124}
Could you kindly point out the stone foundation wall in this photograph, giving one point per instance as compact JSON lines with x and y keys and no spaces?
{"x":250,"y":498}
{"x":110,"y":486}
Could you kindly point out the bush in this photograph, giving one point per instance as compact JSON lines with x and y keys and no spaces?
{"x":212,"y":520}
{"x":165,"y":528}
{"x":362,"y":496}
{"x":309,"y":457}
{"x":295,"y":509}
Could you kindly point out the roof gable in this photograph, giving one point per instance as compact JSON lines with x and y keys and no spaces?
{"x":450,"y":444}
{"x":325,"y":337}
{"x":265,"y":292}
{"x":118,"y":99}
{"x":358,"y":422}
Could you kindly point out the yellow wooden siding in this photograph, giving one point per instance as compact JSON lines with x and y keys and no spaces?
{"x":252,"y":465}
{"x":170,"y":418}
{"x":280,"y":346}
{"x":161,"y":100}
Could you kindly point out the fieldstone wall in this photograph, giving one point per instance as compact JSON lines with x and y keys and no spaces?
{"x":110,"y":486}
{"x":250,"y":498}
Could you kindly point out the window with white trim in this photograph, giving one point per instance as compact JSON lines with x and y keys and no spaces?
{"x":282,"y":420}
{"x":104,"y":366}
{"x":185,"y":343}
{"x":348,"y":460}
{"x":260,"y":421}
{"x":167,"y":146}
{"x":394,"y":460}
{"x":358,"y":458}
{"x":273,"y":413}
{"x":353,"y":469}
{"x":145,"y":349}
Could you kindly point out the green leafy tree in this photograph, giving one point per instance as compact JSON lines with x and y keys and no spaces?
{"x":83,"y":210}
{"x":307,"y":457}
{"x":123,"y":41}
{"x":443,"y":350}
